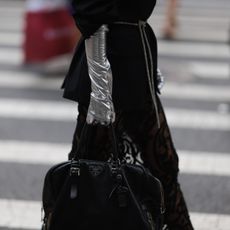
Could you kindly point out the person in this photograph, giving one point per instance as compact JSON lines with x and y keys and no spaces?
{"x":169,"y":27}
{"x":117,"y":43}
{"x":50,"y":33}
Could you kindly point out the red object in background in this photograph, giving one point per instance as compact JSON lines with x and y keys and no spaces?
{"x":48,"y":34}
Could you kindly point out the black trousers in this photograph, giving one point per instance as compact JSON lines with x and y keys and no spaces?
{"x":141,"y":140}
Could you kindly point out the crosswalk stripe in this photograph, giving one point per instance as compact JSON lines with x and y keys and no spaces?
{"x":13,"y":57}
{"x":192,"y":162}
{"x":35,"y":109}
{"x":63,"y":111}
{"x":211,"y":17}
{"x":12,"y":25}
{"x":208,"y":10}
{"x":198,"y":35}
{"x":33,"y":152}
{"x":182,"y":49}
{"x":27,"y":215}
{"x":20,"y":214}
{"x":12,"y":11}
{"x":12,"y":3}
{"x":192,"y":50}
{"x":197,"y":119}
{"x":11,"y":39}
{"x":196,"y":92}
{"x":198,"y":20}
{"x":210,"y":70}
{"x":197,"y":11}
{"x":24,"y":80}
{"x":205,"y":163}
{"x":183,"y":91}
{"x":204,"y":221}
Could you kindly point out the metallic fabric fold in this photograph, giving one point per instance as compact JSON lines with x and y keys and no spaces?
{"x":101,"y":109}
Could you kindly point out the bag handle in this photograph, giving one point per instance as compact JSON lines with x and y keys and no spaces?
{"x":82,"y":149}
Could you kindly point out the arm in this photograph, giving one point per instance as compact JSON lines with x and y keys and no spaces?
{"x":101,"y":109}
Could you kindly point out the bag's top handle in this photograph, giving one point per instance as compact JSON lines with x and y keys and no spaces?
{"x":82,"y":148}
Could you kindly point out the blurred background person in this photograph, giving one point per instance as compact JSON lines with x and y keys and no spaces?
{"x":49,"y":31}
{"x":170,"y":24}
{"x":36,"y":124}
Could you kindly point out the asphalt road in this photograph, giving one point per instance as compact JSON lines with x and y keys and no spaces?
{"x":36,"y":124}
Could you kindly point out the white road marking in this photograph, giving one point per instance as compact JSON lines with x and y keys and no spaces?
{"x":11,"y":10}
{"x":11,"y":39}
{"x":170,"y":49}
{"x":188,"y":20}
{"x":210,"y":70}
{"x":195,"y":162}
{"x":199,"y":33}
{"x":205,"y":221}
{"x":27,"y":215}
{"x":23,"y":80}
{"x":196,"y":92}
{"x":12,"y":24}
{"x":182,"y":49}
{"x":198,"y":119}
{"x":35,"y":109}
{"x":20,"y":214}
{"x":13,"y":57}
{"x":192,"y":50}
{"x":67,"y":111}
{"x":205,"y":163}
{"x":33,"y":152}
{"x":185,"y":91}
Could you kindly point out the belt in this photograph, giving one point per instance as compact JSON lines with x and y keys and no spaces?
{"x":148,"y":63}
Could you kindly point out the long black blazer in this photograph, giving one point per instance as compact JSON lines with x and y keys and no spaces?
{"x":124,"y":50}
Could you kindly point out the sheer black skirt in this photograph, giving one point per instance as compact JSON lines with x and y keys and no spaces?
{"x":141,"y":141}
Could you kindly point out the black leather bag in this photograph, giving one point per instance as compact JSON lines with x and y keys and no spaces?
{"x":83,"y":194}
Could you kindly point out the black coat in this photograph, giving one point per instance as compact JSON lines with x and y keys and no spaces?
{"x":124,"y":50}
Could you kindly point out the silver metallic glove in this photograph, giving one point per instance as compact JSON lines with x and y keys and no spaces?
{"x":160,"y":80}
{"x":101,"y":109}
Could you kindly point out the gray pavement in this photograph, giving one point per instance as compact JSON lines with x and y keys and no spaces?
{"x":202,"y":38}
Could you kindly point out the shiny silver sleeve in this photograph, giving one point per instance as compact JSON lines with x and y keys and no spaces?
{"x":101,"y":109}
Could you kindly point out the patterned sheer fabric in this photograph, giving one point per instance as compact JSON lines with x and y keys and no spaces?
{"x":142,"y":142}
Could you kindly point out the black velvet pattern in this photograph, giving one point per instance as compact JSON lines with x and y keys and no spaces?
{"x":142,"y":142}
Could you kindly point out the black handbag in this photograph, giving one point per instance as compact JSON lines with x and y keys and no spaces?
{"x":84,"y":194}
